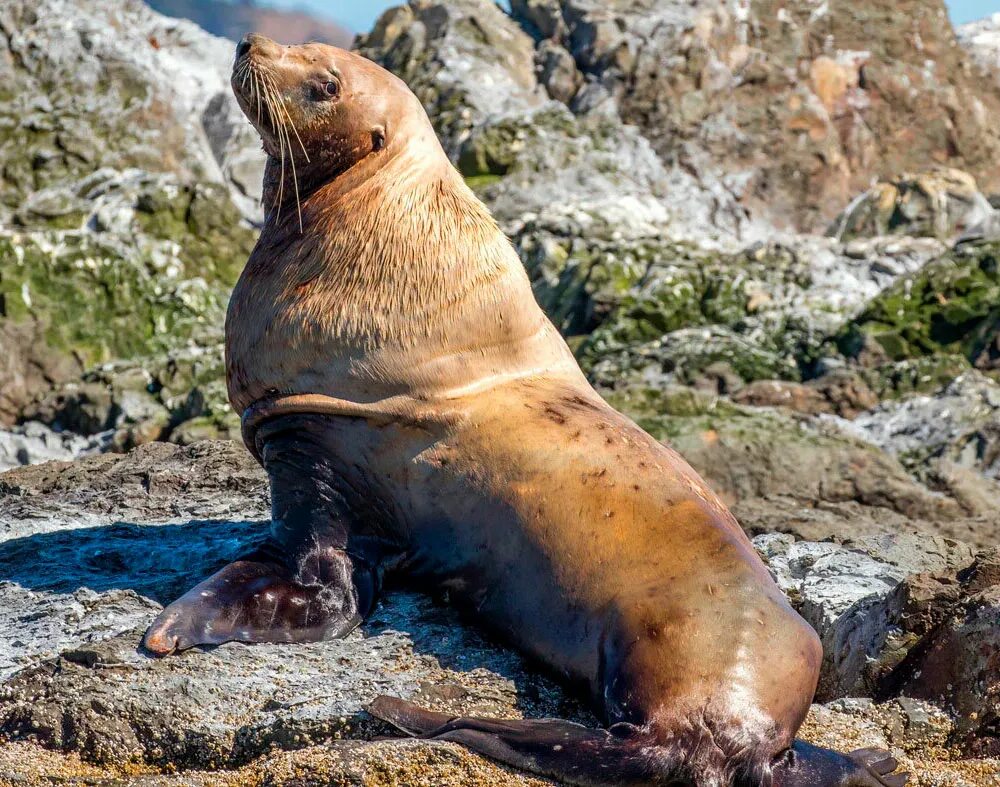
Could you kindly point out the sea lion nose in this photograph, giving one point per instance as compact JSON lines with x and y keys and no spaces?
{"x":247,"y":43}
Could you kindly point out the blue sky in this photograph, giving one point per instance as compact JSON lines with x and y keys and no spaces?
{"x":359,"y":15}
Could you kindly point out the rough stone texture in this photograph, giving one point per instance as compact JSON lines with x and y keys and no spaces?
{"x":128,"y":177}
{"x":832,"y":86}
{"x":946,"y":307}
{"x":91,"y":84}
{"x":942,"y":203}
{"x":982,"y":40}
{"x":34,"y":442}
{"x":903,"y":615}
{"x":959,"y":423}
{"x":90,"y":550}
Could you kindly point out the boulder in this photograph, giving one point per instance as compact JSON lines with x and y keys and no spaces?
{"x":33,"y":442}
{"x":942,"y":203}
{"x":126,"y":87}
{"x":959,"y":423}
{"x":943,"y":308}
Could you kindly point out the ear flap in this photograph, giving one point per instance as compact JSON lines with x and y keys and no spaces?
{"x":559,"y":749}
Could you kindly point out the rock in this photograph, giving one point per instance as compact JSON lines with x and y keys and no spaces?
{"x":955,"y":664}
{"x":982,"y":40}
{"x":33,"y":442}
{"x":557,"y":71}
{"x":788,"y":83}
{"x":661,"y":311}
{"x":111,"y":538}
{"x":781,"y":393}
{"x":845,"y":592}
{"x":129,"y":179}
{"x":544,"y":17}
{"x":28,"y":366}
{"x":156,"y":284}
{"x":902,"y":615}
{"x":959,"y":423}
{"x":159,"y":77}
{"x":944,"y":308}
{"x":101,"y":569}
{"x":943,"y":203}
{"x":466,"y":61}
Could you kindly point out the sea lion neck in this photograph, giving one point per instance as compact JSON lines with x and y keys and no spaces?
{"x":399,"y":284}
{"x":313,"y":184}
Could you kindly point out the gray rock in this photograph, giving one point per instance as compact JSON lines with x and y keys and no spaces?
{"x":34,"y":442}
{"x":982,"y":40}
{"x":941,"y":203}
{"x":960,"y":423}
{"x":846,"y":593}
{"x":179,"y":75}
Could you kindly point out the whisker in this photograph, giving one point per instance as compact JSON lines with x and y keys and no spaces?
{"x":280,"y":197}
{"x":291,"y":123}
{"x":256,"y":94}
{"x":288,"y":140}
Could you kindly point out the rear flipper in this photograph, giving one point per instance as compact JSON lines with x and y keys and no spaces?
{"x":624,"y":754}
{"x":805,"y":765}
{"x":558,"y":749}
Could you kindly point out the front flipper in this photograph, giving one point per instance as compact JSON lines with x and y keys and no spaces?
{"x":805,"y":765}
{"x":316,"y":577}
{"x":569,"y":752}
{"x":257,"y":599}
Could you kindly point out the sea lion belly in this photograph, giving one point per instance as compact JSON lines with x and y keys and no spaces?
{"x":566,"y":529}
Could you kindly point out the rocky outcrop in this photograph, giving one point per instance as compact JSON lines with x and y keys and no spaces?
{"x":129,"y":178}
{"x":832,"y":87}
{"x":145,"y":271}
{"x":982,"y":40}
{"x":947,"y":307}
{"x":959,"y":424}
{"x":943,"y":203}
{"x":111,"y":538}
{"x":125,"y":88}
{"x":33,"y":443}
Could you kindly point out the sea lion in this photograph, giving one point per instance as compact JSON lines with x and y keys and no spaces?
{"x":417,"y":412}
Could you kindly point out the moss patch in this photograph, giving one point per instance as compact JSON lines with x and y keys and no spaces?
{"x":950,"y":307}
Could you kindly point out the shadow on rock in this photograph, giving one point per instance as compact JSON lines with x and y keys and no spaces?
{"x":157,"y":561}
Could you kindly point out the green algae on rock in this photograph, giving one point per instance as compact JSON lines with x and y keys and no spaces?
{"x":949,"y":307}
{"x":147,"y":273}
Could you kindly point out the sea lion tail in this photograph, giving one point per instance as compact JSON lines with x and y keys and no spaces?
{"x":573,"y":754}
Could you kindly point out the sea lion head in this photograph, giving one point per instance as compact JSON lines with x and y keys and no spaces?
{"x":320,"y":110}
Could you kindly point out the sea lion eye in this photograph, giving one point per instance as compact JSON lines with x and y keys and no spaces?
{"x":331,"y":88}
